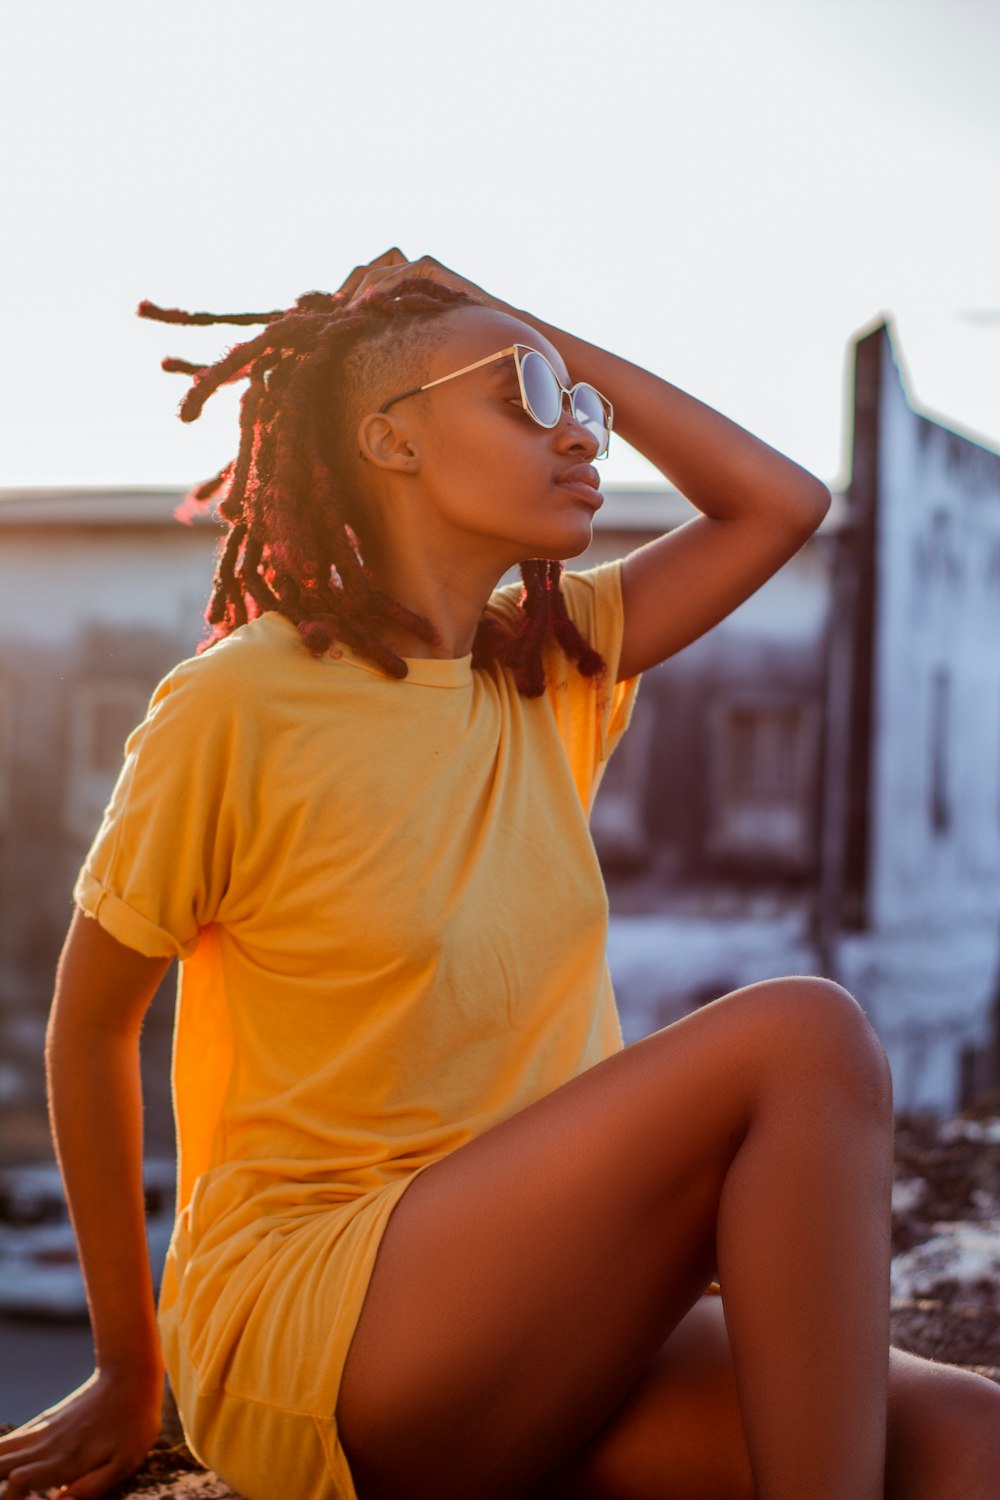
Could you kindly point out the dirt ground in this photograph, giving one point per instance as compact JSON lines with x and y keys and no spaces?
{"x":946,"y":1259}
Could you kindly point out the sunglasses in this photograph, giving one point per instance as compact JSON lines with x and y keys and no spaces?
{"x":542,"y":394}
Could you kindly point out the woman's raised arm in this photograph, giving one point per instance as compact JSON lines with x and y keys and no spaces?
{"x":100,"y":1432}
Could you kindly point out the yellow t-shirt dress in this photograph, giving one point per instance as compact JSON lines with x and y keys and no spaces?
{"x":392,"y":924}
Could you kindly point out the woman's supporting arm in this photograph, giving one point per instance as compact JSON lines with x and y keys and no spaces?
{"x":103,"y":990}
{"x":99,"y":1433}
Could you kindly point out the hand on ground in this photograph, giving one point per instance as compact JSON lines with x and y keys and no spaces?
{"x":95,"y":1437}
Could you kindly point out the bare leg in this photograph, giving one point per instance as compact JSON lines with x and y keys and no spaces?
{"x":679,"y":1433}
{"x":944,"y":1432}
{"x":526,"y":1282}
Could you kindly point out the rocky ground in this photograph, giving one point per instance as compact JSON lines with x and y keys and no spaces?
{"x":946,"y":1238}
{"x":945,"y":1273}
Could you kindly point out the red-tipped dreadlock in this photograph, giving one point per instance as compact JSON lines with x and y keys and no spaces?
{"x":289,"y":546}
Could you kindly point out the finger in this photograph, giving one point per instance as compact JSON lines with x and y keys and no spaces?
{"x":96,"y":1482}
{"x":10,"y":1447}
{"x":28,"y":1478}
{"x":26,"y":1448}
{"x":35,"y":1465}
{"x":347,"y":288}
{"x":37,"y":1472}
{"x":426,"y":265}
{"x":393,"y":257}
{"x":427,"y":268}
{"x":381,"y":276}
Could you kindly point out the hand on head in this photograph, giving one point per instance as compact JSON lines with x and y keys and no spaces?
{"x":392,"y":266}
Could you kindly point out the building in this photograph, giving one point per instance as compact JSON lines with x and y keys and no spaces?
{"x":811,"y":787}
{"x":911,"y":892}
{"x":822,"y":789}
{"x":101,"y":593}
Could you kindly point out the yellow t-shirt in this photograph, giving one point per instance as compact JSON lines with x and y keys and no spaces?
{"x":392,"y":927}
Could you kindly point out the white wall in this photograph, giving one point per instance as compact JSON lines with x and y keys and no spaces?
{"x":928,"y":968}
{"x":52,"y":583}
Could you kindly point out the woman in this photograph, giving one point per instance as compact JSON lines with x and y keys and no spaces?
{"x":439,"y":1234}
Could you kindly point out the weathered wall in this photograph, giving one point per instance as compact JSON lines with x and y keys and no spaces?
{"x":927,"y":961}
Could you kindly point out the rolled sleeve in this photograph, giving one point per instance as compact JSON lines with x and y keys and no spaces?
{"x":129,"y":927}
{"x":160,"y":862}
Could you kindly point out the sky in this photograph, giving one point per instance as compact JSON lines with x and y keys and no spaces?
{"x":726,"y":192}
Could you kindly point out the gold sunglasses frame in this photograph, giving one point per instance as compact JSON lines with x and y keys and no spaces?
{"x":515,"y":350}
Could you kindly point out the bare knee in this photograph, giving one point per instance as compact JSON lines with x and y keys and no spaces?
{"x":820,"y":1036}
{"x":943,"y":1432}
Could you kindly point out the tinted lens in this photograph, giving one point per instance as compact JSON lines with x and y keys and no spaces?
{"x":541,"y":388}
{"x":544,"y":396}
{"x":590,"y":411}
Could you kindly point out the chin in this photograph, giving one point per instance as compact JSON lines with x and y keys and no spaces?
{"x":563,"y":541}
{"x":560,"y":552}
{"x":578,"y":550}
{"x":576,"y":543}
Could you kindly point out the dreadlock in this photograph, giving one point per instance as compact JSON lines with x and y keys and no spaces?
{"x":293,"y":518}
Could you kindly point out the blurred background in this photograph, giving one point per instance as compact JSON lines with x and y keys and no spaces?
{"x":789,"y":211}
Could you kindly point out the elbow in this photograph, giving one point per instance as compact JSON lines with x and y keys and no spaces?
{"x":812,"y":504}
{"x":824,"y":498}
{"x":813,"y":494}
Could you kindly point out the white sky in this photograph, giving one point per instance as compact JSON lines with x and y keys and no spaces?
{"x":724,"y":191}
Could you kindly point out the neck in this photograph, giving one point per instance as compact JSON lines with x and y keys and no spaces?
{"x":451,"y":593}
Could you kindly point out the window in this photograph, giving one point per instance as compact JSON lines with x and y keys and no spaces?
{"x":940,"y":713}
{"x":763,"y":754}
{"x":102,"y":715}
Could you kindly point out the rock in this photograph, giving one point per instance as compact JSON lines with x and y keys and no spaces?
{"x":953,"y":1335}
{"x":960,"y":1263}
{"x":945,"y":1275}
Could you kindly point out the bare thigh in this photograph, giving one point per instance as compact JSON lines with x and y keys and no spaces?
{"x":527,"y":1281}
{"x":679,"y":1435}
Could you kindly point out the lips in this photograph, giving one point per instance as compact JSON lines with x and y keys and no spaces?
{"x":584,"y":481}
{"x":580,"y":474}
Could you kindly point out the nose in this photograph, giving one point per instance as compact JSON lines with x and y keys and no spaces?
{"x":579,"y":435}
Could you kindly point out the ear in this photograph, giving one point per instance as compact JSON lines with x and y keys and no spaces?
{"x":386,"y":441}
